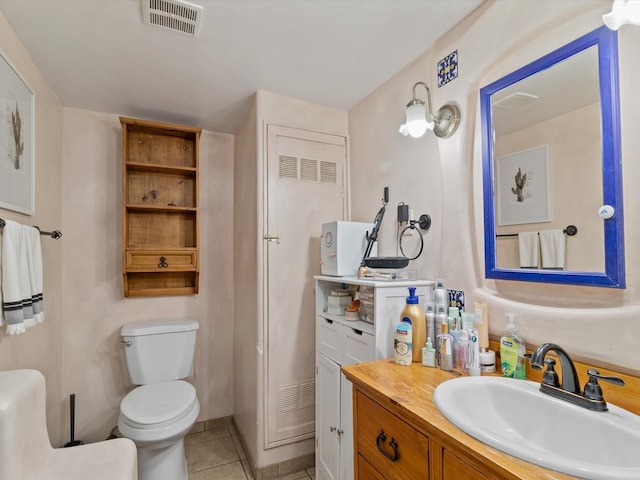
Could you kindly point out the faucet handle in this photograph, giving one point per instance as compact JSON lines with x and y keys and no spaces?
{"x":592,"y":389}
{"x":550,"y":376}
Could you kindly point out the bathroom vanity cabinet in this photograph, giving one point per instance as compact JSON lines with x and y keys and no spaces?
{"x":159,"y":208}
{"x":343,"y":342}
{"x":401,"y":435}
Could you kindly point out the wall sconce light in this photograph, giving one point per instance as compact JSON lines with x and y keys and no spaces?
{"x":444,"y":123}
{"x":622,"y":12}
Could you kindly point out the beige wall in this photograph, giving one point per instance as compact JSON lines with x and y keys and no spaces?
{"x":94,"y":306}
{"x":444,"y":177}
{"x":41,"y":348}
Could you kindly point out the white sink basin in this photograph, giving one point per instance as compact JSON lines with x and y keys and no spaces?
{"x":515,"y":417}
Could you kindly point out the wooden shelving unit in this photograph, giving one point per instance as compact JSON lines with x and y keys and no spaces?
{"x":160,"y":221}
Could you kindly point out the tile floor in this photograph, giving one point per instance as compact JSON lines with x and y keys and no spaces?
{"x":218,"y":455}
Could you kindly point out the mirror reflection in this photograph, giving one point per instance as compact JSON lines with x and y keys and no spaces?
{"x":550,"y":132}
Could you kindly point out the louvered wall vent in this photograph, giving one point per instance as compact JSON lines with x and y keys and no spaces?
{"x":176,"y":15}
{"x":307,"y":169}
{"x":296,"y":397}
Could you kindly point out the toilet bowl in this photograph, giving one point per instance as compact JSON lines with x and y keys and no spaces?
{"x":157,"y":417}
{"x":158,"y":414}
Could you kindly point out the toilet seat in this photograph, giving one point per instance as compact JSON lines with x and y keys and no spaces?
{"x":158,"y":405}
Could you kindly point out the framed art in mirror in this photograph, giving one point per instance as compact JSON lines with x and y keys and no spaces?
{"x":551,"y":157}
{"x":522,"y":187}
{"x":17,"y":138}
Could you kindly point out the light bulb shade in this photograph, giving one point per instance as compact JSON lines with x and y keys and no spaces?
{"x":416,"y":121}
{"x":623,"y":12}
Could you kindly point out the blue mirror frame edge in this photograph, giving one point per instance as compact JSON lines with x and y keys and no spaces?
{"x":614,"y":275}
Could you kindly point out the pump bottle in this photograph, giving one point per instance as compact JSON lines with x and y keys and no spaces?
{"x":428,"y":354}
{"x":512,"y":350}
{"x":413,"y":313}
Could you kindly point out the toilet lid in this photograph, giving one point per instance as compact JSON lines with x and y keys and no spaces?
{"x":158,"y":403}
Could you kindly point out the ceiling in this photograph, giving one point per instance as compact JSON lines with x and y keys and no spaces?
{"x":99,"y":55}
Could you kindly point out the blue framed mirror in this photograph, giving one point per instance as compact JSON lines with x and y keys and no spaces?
{"x":552,"y":168}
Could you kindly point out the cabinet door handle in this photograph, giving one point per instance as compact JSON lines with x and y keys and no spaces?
{"x":383,"y":438}
{"x":163,"y":263}
{"x":332,"y":429}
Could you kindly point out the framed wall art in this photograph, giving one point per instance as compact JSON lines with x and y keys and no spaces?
{"x":17,"y":141}
{"x":522,"y":187}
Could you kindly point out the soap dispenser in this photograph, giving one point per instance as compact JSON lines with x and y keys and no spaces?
{"x":512,"y":350}
{"x":413,"y":314}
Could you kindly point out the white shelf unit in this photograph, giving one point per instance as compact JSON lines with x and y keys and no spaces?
{"x":343,"y":342}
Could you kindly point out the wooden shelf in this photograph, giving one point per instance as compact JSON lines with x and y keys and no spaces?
{"x":154,"y":167}
{"x":160,"y":208}
{"x":160,"y":219}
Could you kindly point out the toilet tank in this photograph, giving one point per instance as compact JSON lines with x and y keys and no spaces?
{"x":159,"y":350}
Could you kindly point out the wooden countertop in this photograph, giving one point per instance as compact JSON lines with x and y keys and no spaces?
{"x":408,"y":392}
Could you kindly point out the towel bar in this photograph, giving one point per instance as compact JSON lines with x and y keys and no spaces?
{"x":571,"y":230}
{"x":56,"y":234}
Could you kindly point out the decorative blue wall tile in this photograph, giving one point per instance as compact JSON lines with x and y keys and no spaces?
{"x":448,"y":68}
{"x":456,"y":299}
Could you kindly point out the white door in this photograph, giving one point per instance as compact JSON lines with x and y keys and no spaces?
{"x":306,"y":174}
{"x":328,"y":420}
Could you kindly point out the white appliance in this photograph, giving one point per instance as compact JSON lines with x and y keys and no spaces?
{"x":342,"y":247}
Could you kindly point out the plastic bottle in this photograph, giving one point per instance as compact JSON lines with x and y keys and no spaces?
{"x":441,"y":317}
{"x":413,"y":313}
{"x":468,"y":320}
{"x":430,"y":315}
{"x":463,"y":351}
{"x":428,"y":354}
{"x":440,"y":295}
{"x":473,"y":353}
{"x":402,"y":348}
{"x":445,"y":348}
{"x":454,"y":331}
{"x":512,"y":350}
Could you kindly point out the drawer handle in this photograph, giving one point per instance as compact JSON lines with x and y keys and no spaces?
{"x":383,"y":438}
{"x":163,"y":263}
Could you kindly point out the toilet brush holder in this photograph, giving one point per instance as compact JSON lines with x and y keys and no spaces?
{"x":72,"y":418}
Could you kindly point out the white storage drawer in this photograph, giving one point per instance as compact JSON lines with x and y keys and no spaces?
{"x":330,"y":338}
{"x":359,"y":346}
{"x":346,"y":342}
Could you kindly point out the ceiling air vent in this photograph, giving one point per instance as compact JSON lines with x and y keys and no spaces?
{"x":515,"y":100}
{"x":176,"y":15}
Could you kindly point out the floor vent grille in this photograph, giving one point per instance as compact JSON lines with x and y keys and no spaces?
{"x":176,"y":15}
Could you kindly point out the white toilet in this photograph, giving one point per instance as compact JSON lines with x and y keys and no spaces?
{"x":161,"y":411}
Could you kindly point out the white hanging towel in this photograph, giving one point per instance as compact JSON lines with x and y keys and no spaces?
{"x":529,"y":250}
{"x":552,"y":246}
{"x":16,"y":281}
{"x":34,"y":255}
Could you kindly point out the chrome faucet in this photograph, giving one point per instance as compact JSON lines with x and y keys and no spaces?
{"x":570,"y":391}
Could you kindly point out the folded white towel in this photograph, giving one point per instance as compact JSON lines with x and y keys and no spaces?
{"x":552,"y":246}
{"x":16,"y":283}
{"x":529,"y":249}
